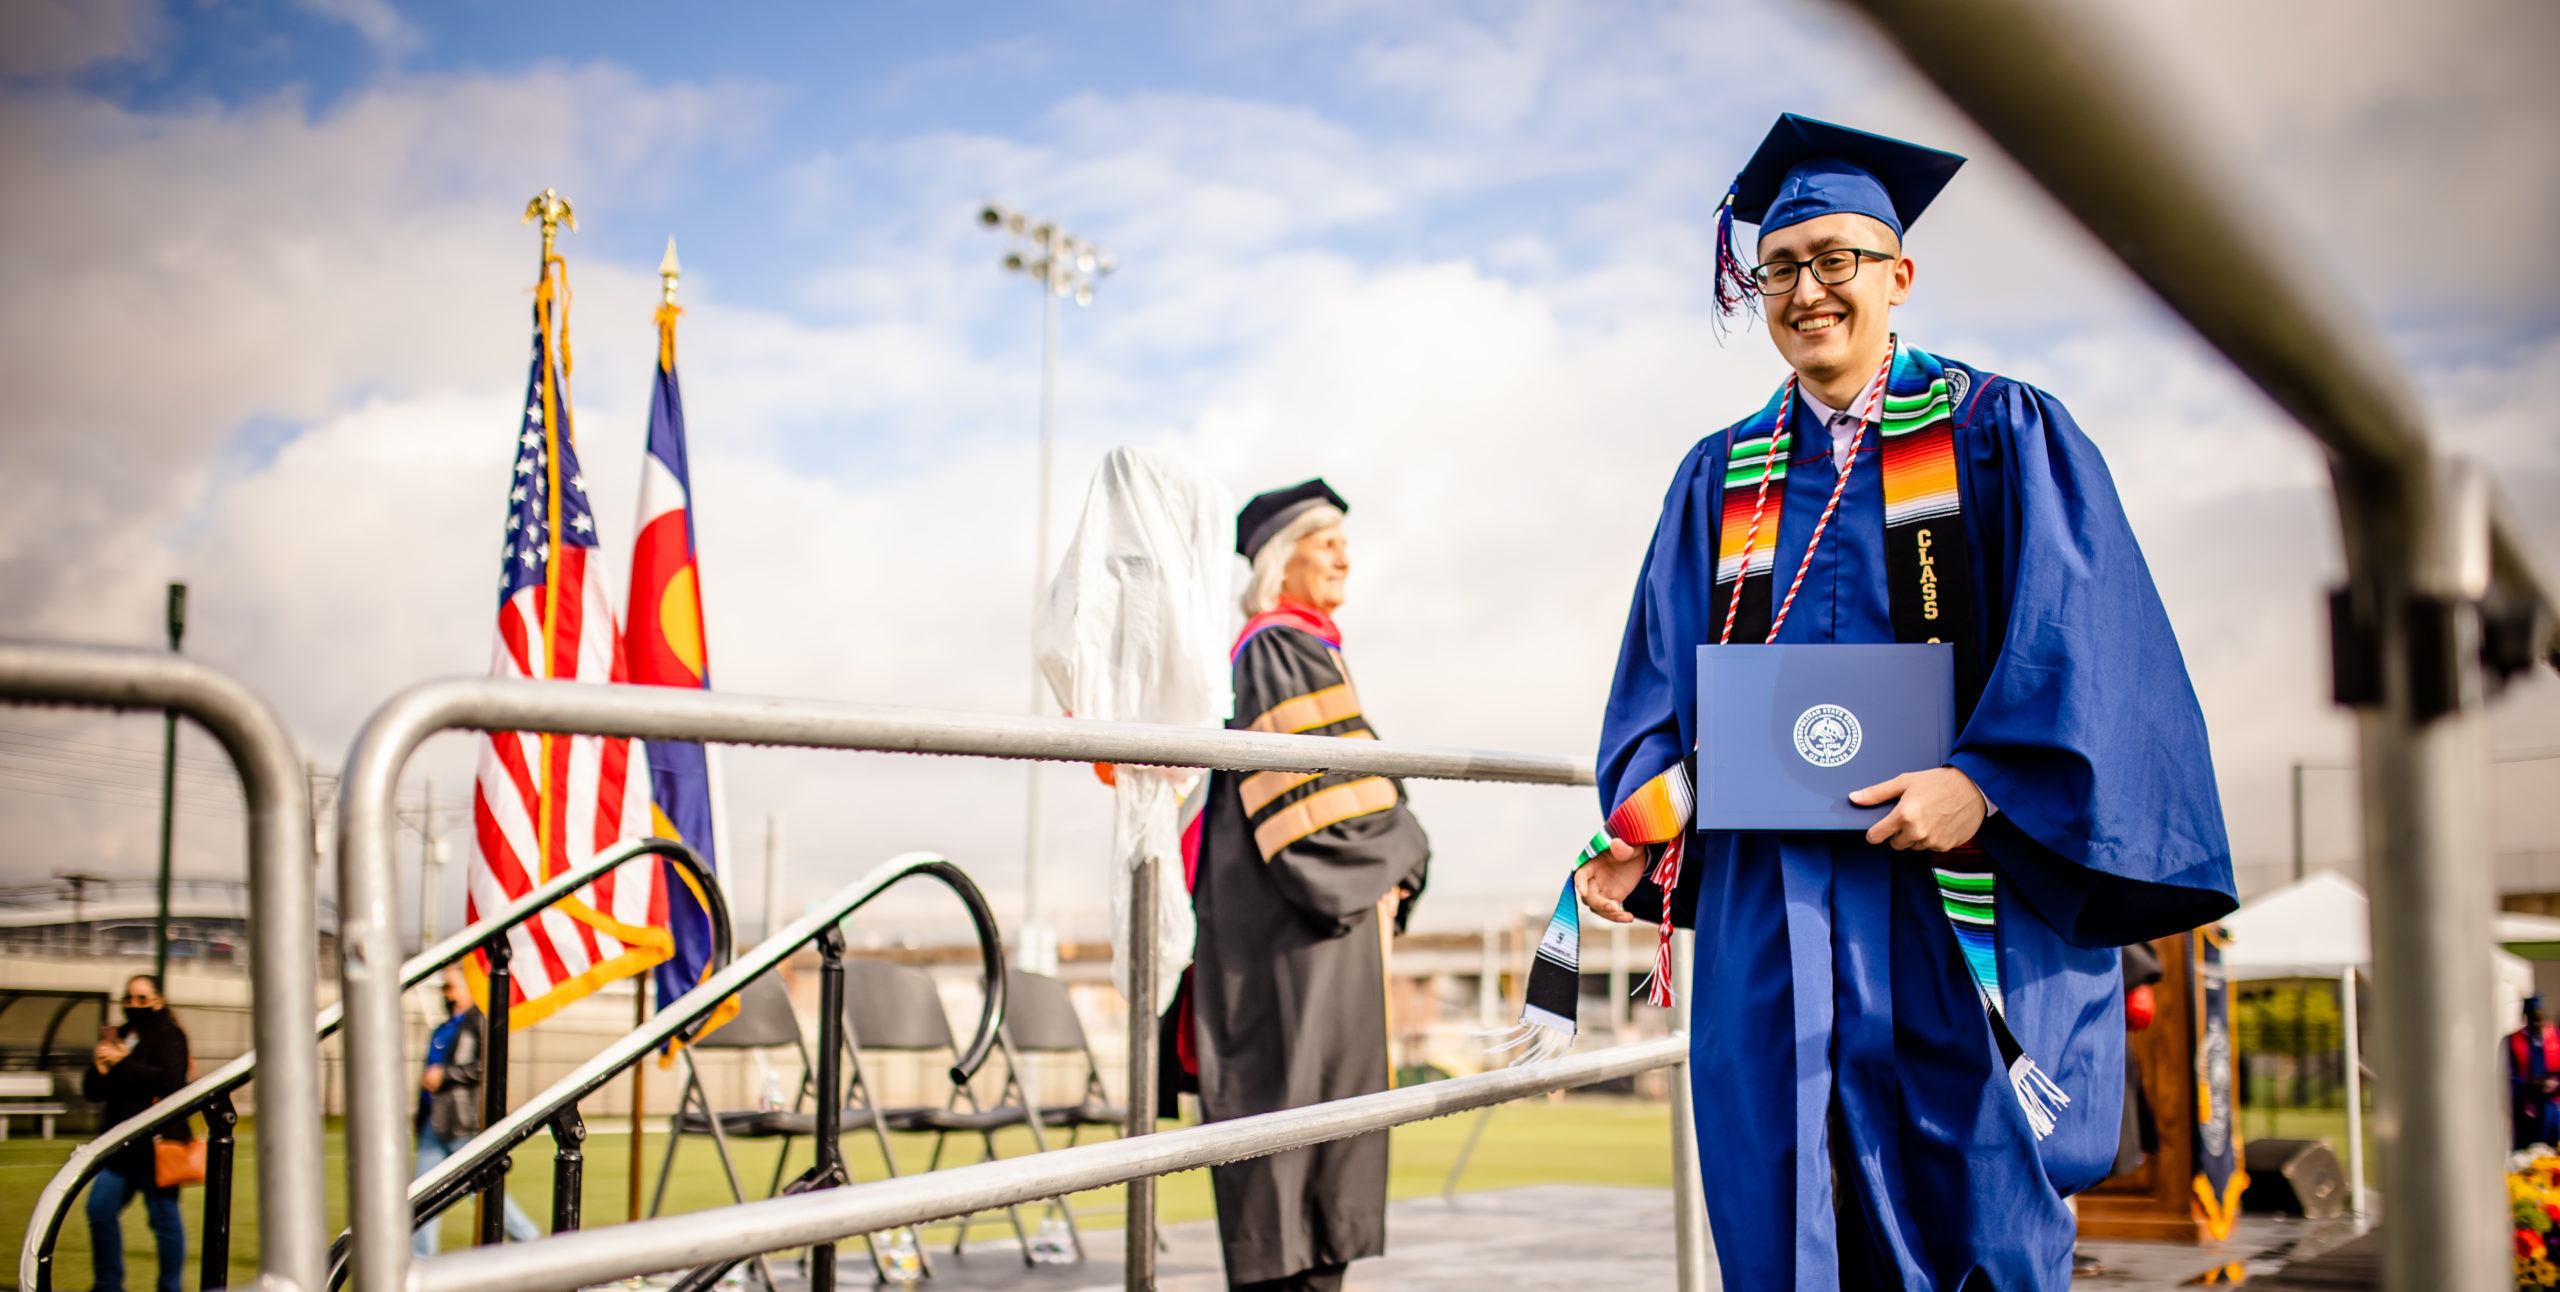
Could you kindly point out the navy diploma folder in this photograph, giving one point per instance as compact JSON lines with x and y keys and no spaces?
{"x":1785,"y":733}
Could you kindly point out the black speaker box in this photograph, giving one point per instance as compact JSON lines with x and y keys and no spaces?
{"x":2296,"y":1176}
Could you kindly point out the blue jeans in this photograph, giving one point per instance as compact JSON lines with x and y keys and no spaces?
{"x":108,"y":1195}
{"x":434,"y":1148}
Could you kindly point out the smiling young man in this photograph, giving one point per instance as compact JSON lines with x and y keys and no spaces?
{"x":1908,"y":1046}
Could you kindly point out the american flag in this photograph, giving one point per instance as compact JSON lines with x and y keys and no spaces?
{"x":546,"y":803}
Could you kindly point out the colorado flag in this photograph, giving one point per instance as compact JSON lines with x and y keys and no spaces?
{"x":663,"y":646}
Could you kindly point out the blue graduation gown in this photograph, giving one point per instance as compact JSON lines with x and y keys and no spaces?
{"x":1827,"y":975}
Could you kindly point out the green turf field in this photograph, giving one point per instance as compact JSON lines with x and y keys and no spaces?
{"x":1583,"y":1141}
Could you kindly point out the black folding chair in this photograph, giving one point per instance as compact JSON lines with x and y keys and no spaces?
{"x":893,"y":1008}
{"x":764,"y":1021}
{"x":1040,"y":1018}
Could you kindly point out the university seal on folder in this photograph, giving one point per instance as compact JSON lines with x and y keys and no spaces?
{"x":1786,"y":732}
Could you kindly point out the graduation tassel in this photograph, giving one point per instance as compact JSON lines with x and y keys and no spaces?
{"x":1971,"y":900}
{"x":1734,"y":289}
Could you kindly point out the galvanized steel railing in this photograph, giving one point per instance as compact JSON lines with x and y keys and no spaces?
{"x":284,"y":943}
{"x":480,"y":1165}
{"x":377,"y":1161}
{"x":729,"y":1233}
{"x":210,"y":1095}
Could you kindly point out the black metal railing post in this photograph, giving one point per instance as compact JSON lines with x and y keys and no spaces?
{"x":220,"y":1118}
{"x":830,"y":1145}
{"x":493,"y":1087}
{"x":568,"y":1169}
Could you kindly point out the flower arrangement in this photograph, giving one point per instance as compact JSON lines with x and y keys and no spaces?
{"x":2533,"y":1195}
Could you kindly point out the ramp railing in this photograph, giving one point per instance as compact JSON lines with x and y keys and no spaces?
{"x":284,"y":943}
{"x":480,"y":1164}
{"x":2441,"y":604}
{"x":210,"y":1096}
{"x":378,"y":1087}
{"x":731,"y":1233}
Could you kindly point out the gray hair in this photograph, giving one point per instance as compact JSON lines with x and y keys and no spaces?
{"x":1262,"y":591}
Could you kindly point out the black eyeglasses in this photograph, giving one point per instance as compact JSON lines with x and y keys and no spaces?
{"x":1831,"y":268}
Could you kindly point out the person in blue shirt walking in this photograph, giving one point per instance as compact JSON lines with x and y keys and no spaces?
{"x":449,"y":1099}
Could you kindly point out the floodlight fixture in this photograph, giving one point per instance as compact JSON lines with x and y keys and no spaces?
{"x":1064,"y":267}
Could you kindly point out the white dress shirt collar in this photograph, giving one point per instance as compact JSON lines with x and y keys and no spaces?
{"x":1843,"y":426}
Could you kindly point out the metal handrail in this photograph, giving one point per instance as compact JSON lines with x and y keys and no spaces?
{"x":53,"y":1204}
{"x":377,"y":1085}
{"x":733,"y":1232}
{"x":459,"y":1174}
{"x":2441,"y":602}
{"x":284,"y":954}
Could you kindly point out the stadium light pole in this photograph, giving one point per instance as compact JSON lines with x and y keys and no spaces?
{"x":1061,"y":265}
{"x":168,"y":796}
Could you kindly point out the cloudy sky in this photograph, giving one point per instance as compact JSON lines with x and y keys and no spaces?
{"x":266,"y":313}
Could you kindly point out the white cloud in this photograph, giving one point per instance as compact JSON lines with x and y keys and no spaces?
{"x":376,"y":20}
{"x":1502,"y":410}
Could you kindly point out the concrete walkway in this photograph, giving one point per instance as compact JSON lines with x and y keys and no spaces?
{"x":1550,"y":1238}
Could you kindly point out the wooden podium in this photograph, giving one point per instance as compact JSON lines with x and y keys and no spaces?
{"x":2157,"y":1200}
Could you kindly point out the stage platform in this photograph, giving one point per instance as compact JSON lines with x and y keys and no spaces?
{"x":1558,"y":1238}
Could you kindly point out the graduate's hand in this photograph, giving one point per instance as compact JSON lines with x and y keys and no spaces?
{"x":1605,"y":880}
{"x":1940,"y":808}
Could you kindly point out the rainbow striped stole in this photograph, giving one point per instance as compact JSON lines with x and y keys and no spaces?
{"x":1925,"y":556}
{"x":1756,"y":453}
{"x":1926,"y":562}
{"x":1749,"y":458}
{"x":1656,"y":812}
{"x":1971,"y":899}
{"x":1919,"y":451}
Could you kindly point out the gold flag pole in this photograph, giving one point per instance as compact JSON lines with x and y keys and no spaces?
{"x":667,"y":271}
{"x":552,"y":210}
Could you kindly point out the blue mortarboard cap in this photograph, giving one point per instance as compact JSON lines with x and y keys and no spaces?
{"x":1808,"y":168}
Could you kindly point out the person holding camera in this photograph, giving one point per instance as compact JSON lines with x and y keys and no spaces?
{"x":133,"y":1067}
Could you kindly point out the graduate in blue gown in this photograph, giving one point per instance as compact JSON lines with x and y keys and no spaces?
{"x":1853,"y":1075}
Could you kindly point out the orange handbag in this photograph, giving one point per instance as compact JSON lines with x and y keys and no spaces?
{"x":177,"y":1163}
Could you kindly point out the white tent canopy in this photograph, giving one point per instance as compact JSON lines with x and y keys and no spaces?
{"x":2320,"y":926}
{"x":2311,"y":928}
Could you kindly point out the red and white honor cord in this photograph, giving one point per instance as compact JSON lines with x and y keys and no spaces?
{"x":1666,"y":876}
{"x":1666,"y":872}
{"x":1786,"y":408}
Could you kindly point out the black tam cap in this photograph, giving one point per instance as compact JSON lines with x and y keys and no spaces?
{"x":1270,"y":513}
